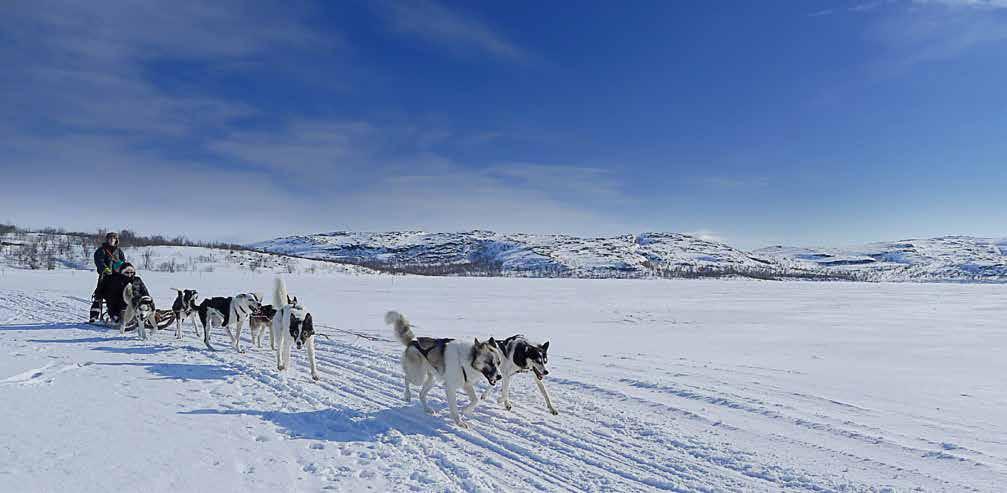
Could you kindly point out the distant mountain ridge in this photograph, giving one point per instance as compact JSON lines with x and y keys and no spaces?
{"x":647,"y":255}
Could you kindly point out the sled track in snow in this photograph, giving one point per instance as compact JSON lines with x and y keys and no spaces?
{"x":632,"y":433}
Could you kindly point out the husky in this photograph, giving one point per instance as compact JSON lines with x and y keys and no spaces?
{"x":521,"y":356}
{"x":139,"y":306}
{"x":291,"y":324}
{"x":225,"y":312}
{"x":458,"y":364}
{"x":261,"y":322}
{"x":186,"y":305}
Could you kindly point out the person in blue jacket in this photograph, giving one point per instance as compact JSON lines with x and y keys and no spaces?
{"x":108,"y":258}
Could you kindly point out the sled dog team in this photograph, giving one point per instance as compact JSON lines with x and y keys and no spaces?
{"x":458,"y":364}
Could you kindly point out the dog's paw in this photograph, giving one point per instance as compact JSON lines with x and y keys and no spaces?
{"x":280,"y":367}
{"x":554,"y":412}
{"x":507,"y":405}
{"x":315,"y":377}
{"x":462,"y":424}
{"x":429,"y":411}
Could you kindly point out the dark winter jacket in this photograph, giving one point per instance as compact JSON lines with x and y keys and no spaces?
{"x":112,"y":287}
{"x":108,"y":257}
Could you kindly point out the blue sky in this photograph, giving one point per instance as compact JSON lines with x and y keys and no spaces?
{"x":804,"y":122}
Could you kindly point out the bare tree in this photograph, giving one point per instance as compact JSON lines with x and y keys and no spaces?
{"x":147,"y":257}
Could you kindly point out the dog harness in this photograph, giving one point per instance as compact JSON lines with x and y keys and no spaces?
{"x":438,"y":343}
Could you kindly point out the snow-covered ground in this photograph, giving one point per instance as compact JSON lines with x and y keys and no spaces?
{"x":661,"y":385}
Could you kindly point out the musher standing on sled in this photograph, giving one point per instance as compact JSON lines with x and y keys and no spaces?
{"x":107,"y":259}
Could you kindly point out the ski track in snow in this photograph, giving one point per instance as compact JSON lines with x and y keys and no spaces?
{"x":634,"y":424}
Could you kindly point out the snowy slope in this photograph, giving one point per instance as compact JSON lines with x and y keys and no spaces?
{"x":956,"y":258}
{"x":181,"y":258}
{"x":661,"y":385}
{"x":632,"y":256}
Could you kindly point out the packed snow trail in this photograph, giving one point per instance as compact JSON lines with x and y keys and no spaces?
{"x":89,"y":410}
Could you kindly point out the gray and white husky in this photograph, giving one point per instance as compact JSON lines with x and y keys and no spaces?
{"x":458,"y":364}
{"x":139,"y":307}
{"x":292,"y":324}
{"x":520,"y":356}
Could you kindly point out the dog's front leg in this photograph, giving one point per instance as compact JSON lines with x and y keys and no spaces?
{"x":141,"y":326}
{"x":206,"y":333}
{"x":473,"y":400}
{"x":279,"y":356}
{"x":548,"y":401}
{"x":311,"y":358}
{"x":453,"y":405}
{"x":178,"y":325}
{"x":195,"y":326}
{"x":237,"y":334}
{"x":505,"y":392}
{"x":288,"y":347}
{"x":122,"y":321}
{"x":486,"y":393}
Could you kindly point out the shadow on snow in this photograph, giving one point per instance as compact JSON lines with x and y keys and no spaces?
{"x":343,"y":425}
{"x":56,"y":326}
{"x":182,"y":371}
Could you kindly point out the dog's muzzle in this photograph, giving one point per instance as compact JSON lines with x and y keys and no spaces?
{"x":492,"y":378}
{"x":539,"y":374}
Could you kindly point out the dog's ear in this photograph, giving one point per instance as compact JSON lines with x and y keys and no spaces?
{"x":477,"y":341}
{"x":492,"y":342}
{"x":545,"y":346}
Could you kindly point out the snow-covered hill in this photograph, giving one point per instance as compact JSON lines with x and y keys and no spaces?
{"x":952,"y":258}
{"x":486,"y":252}
{"x":948,"y":258}
{"x":62,"y":252}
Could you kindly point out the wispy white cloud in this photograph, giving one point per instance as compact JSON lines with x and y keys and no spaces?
{"x":732,"y":182}
{"x":587,"y":182}
{"x":991,"y":4}
{"x":906,"y":33}
{"x":934,"y":32}
{"x":453,"y":29}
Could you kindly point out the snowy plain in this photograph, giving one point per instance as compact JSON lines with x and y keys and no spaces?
{"x":681,"y":385}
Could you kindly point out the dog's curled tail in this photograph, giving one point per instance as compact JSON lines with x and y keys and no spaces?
{"x":402,"y":329}
{"x":279,"y":293}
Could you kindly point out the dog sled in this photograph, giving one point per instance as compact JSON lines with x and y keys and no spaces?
{"x":164,"y":319}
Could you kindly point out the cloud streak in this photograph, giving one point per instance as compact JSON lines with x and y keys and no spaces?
{"x":437,"y":24}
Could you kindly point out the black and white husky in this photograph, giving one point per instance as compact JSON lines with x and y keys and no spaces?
{"x":292,"y":324}
{"x":186,"y":305}
{"x":522,"y":356}
{"x":227,"y":312}
{"x":140,"y":307}
{"x":458,"y":364}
